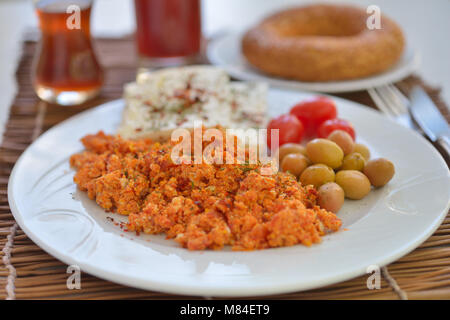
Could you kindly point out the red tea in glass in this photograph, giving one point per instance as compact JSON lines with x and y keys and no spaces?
{"x":168,"y":31}
{"x":66,"y":70}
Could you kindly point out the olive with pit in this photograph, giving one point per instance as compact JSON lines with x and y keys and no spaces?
{"x":355,"y":184}
{"x":353,"y":161}
{"x":331,"y":197}
{"x":295,"y":163}
{"x":362,"y":150}
{"x":343,"y":140}
{"x":326,"y":152}
{"x":289,"y":148}
{"x":317,"y":175}
{"x":379,"y":171}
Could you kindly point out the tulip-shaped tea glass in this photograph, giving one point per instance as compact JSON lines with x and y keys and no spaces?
{"x":65,"y":70}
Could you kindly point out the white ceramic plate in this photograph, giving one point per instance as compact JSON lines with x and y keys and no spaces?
{"x":384,"y":226}
{"x":225,"y":51}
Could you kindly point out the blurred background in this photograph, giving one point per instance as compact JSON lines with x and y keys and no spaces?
{"x":425,"y":24}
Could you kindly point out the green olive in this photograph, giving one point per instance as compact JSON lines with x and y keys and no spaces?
{"x":343,"y":140}
{"x":355,"y":184}
{"x":317,"y":175}
{"x":295,"y":163}
{"x":353,"y":161}
{"x":289,"y":148}
{"x":362,"y":150}
{"x":326,"y":152}
{"x":331,"y":197}
{"x":379,"y":171}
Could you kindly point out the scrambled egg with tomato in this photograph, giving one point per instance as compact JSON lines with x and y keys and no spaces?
{"x":201,"y":206}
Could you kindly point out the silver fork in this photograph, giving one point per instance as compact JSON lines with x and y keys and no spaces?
{"x":393,"y":103}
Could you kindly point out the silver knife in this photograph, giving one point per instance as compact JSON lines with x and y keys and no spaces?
{"x":430,"y":119}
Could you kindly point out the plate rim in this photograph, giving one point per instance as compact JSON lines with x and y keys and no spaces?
{"x":329,"y":87}
{"x":208,"y":291}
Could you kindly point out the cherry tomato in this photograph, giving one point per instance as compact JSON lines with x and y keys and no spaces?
{"x":329,"y":126}
{"x":313,"y":112}
{"x":291,"y":129}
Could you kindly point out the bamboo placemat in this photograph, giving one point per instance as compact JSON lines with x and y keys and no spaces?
{"x":27,"y":272}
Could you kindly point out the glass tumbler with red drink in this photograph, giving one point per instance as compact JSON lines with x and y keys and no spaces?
{"x":66,"y":70}
{"x":168,"y":32}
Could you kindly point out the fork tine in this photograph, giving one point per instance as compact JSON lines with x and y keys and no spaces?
{"x":390,"y":99}
{"x":404,"y":100}
{"x":379,"y":102}
{"x":398,"y":99}
{"x":398,"y":92}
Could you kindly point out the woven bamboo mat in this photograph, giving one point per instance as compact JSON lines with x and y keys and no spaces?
{"x":27,"y":272}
